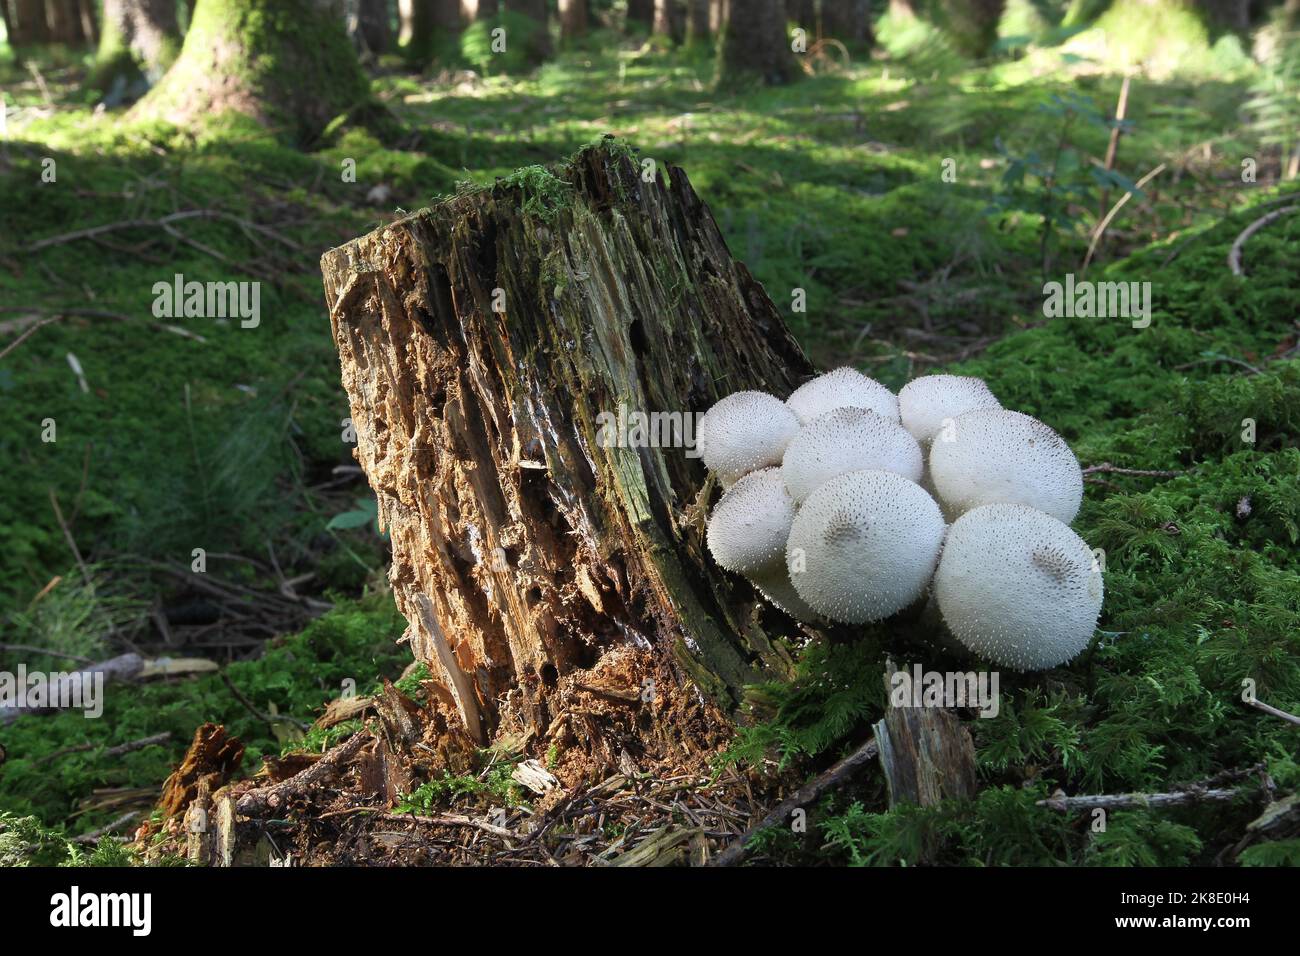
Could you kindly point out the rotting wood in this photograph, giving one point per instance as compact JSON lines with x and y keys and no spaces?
{"x":524,"y":547}
{"x":257,"y":803}
{"x":212,"y":758}
{"x":926,"y":754}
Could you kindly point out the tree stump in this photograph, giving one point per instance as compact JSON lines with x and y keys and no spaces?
{"x":488,"y":345}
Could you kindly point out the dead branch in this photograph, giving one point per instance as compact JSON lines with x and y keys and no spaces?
{"x":1234,"y":254}
{"x":1123,"y":801}
{"x":1270,"y":709}
{"x":810,"y":791}
{"x":1219,"y":358}
{"x":129,"y":747}
{"x":1107,"y":468}
{"x":258,"y":802}
{"x":94,"y":835}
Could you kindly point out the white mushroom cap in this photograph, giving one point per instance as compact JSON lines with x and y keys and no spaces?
{"x":749,"y":526}
{"x":774,"y":584}
{"x":1018,"y":587}
{"x":864,"y":545}
{"x":996,"y":455}
{"x":926,"y":402}
{"x":842,"y":388}
{"x":744,"y":432}
{"x":844,"y":440}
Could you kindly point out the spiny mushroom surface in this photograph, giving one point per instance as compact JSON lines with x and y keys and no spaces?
{"x":926,"y":402}
{"x":864,"y":545}
{"x":749,"y":526}
{"x":744,"y":432}
{"x":774,"y":584}
{"x":996,"y":455}
{"x":1018,"y":587}
{"x":842,"y":388}
{"x":844,"y":440}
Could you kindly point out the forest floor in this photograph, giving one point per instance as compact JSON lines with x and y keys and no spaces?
{"x":881,"y":191}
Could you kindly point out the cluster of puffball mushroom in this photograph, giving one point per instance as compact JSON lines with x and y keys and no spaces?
{"x":850,"y":503}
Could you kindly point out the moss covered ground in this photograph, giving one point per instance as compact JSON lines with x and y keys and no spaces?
{"x":230,"y":439}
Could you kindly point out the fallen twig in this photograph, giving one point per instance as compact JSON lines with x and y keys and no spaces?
{"x":1274,"y":711}
{"x":94,"y":835}
{"x":1107,"y":468}
{"x":1121,"y":801}
{"x":1219,"y":358}
{"x":735,"y":852}
{"x":257,"y":802}
{"x":1234,"y":254}
{"x":443,"y":819}
{"x":116,"y":751}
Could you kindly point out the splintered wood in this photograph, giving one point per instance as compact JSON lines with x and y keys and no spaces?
{"x":490,"y":348}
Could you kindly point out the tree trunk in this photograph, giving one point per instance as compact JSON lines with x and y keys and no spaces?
{"x":373,"y":30}
{"x":641,"y":13}
{"x":848,"y":21}
{"x":697,"y":22}
{"x":428,"y":28}
{"x":25,"y":23}
{"x":972,"y":25}
{"x":65,"y":23}
{"x":287,"y":63}
{"x":665,"y":19}
{"x":802,"y":13}
{"x":536,"y":553}
{"x":753,"y":44}
{"x":573,"y":19}
{"x":138,"y":37}
{"x":539,"y":41}
{"x":472,"y":10}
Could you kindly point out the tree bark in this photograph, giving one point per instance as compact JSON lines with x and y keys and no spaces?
{"x":665,"y":19}
{"x":540,"y":45}
{"x":25,"y":23}
{"x":287,"y":63}
{"x":697,"y":22}
{"x":573,"y":19}
{"x":972,"y":25}
{"x":848,"y":21}
{"x":373,"y":26}
{"x":138,"y":37}
{"x":65,"y":22}
{"x":641,"y":12}
{"x":754,"y":45}
{"x":535,"y":554}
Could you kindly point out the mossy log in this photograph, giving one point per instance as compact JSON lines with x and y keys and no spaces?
{"x":484,"y":344}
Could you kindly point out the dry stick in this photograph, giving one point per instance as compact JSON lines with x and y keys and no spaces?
{"x":444,"y":819}
{"x":94,"y":835}
{"x":22,"y":338}
{"x":1121,"y":801}
{"x":1119,"y":204}
{"x":129,"y":747}
{"x":1112,"y":148}
{"x":61,"y":655}
{"x":810,"y":791}
{"x":258,"y":802}
{"x":1107,"y":468}
{"x":1234,"y":254}
{"x":1270,"y":709}
{"x":67,"y":536}
{"x":1219,"y":358}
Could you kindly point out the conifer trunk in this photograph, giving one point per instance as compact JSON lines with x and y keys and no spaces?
{"x":539,"y":549}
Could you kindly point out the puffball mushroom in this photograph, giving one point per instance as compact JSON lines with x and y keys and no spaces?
{"x":864,"y":546}
{"x":926,"y":402}
{"x":842,"y":388}
{"x":844,"y":440}
{"x":1018,"y":587}
{"x":774,"y":584}
{"x":996,"y":455}
{"x":749,"y":526}
{"x":744,"y":432}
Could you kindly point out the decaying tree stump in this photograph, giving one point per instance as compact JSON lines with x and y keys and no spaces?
{"x":484,"y":343}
